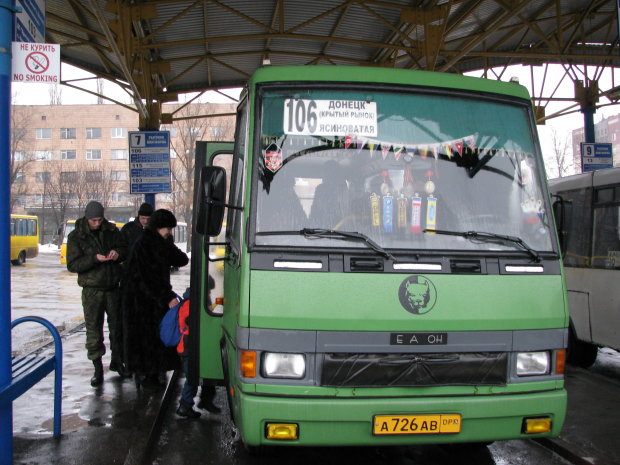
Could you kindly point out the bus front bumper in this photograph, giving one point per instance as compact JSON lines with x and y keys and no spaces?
{"x":349,"y":421}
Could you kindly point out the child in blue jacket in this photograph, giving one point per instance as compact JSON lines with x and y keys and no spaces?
{"x":207,"y":393}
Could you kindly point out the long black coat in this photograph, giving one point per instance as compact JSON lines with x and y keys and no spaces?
{"x":146,"y":292}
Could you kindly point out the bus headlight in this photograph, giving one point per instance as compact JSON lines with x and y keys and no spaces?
{"x":532,"y":363}
{"x":277,"y":365}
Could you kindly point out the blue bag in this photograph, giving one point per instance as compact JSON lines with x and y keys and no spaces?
{"x":169,"y":331}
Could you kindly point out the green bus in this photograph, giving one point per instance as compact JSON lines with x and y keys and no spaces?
{"x":392,"y":274}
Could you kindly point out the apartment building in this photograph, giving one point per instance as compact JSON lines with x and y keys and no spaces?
{"x":606,"y":130}
{"x":63,"y":156}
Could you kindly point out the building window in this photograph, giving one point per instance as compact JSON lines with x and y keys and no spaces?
{"x":118,"y":154}
{"x":119,"y":196}
{"x":19,"y":155}
{"x":43,"y":117}
{"x":20,"y":177}
{"x":68,"y":154}
{"x":68,"y":177}
{"x":42,"y":155}
{"x":93,"y":176}
{"x":119,"y":175}
{"x":42,"y":176}
{"x":118,"y":133}
{"x":218,"y":131}
{"x":117,"y":117}
{"x":93,"y":133}
{"x":43,"y":133}
{"x":67,"y":197}
{"x":21,"y":199}
{"x":171,"y":129}
{"x":67,"y":133}
{"x":192,"y":131}
{"x":93,"y":154}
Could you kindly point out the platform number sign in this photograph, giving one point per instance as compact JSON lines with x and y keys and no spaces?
{"x":149,"y":162}
{"x":596,"y":156}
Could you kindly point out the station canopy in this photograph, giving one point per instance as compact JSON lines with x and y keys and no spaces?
{"x":158,"y":49}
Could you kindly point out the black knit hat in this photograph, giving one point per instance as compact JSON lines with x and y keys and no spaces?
{"x":146,"y":209}
{"x":162,"y":218}
{"x":93,"y":210}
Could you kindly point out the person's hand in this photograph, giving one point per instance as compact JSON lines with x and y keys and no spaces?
{"x":101,"y":258}
{"x":173,"y":302}
{"x":112,"y":255}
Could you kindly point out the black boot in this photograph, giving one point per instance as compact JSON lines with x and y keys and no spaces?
{"x":207,"y":394}
{"x":187,"y":411}
{"x":120,"y":368}
{"x":97,"y":378}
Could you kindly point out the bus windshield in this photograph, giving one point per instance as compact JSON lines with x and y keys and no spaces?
{"x":399,"y":167}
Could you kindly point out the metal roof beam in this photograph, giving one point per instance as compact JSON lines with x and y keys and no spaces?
{"x":121,"y":59}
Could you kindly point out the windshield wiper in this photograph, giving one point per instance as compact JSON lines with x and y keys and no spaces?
{"x":336,"y":234}
{"x":311,"y":233}
{"x":489,"y":237}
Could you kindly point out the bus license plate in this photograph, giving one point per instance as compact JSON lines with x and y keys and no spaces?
{"x":417,"y":424}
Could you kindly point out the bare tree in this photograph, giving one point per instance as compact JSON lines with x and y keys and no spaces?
{"x":561,"y":155}
{"x":55,"y":93}
{"x":21,"y":117}
{"x":191,"y":127}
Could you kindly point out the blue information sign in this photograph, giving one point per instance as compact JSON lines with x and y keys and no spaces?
{"x":29,"y":21}
{"x":149,"y":162}
{"x":596,"y":156}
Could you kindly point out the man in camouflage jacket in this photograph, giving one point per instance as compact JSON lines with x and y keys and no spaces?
{"x":95,"y":250}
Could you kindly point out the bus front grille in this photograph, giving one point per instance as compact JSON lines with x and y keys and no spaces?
{"x":450,"y":369}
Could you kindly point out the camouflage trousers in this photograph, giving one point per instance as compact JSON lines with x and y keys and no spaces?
{"x":96,"y":304}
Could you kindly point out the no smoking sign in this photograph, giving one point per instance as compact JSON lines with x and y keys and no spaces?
{"x":36,"y":62}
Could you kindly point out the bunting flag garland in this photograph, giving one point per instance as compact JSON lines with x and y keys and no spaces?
{"x":472,"y":144}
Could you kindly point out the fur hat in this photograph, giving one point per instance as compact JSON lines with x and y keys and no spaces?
{"x":162,"y":218}
{"x":146,"y":209}
{"x":93,"y":210}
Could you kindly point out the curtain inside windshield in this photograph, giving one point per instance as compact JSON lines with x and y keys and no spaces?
{"x":397,"y":167}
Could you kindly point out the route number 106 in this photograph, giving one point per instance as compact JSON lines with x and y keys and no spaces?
{"x":300,"y":116}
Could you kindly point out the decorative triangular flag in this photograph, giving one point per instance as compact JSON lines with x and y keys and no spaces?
{"x":347,"y":141}
{"x":385,"y":149}
{"x":398,"y":152}
{"x":459,"y":147}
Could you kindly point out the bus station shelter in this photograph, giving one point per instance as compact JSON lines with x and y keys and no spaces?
{"x":158,"y":49}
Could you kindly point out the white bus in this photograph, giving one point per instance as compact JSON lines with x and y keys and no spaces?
{"x":588,"y":222}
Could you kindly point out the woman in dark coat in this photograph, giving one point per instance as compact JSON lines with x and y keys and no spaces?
{"x":147,"y":295}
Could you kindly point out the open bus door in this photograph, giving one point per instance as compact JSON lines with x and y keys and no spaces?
{"x":205,"y":360}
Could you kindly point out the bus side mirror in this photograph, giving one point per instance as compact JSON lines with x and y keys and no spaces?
{"x":561,"y":211}
{"x":212,"y":200}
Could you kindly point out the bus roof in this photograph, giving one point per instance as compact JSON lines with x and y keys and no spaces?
{"x":32,"y":217}
{"x":386,"y":75}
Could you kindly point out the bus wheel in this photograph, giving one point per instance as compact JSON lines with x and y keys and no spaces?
{"x":21,"y":259}
{"x":580,"y":353}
